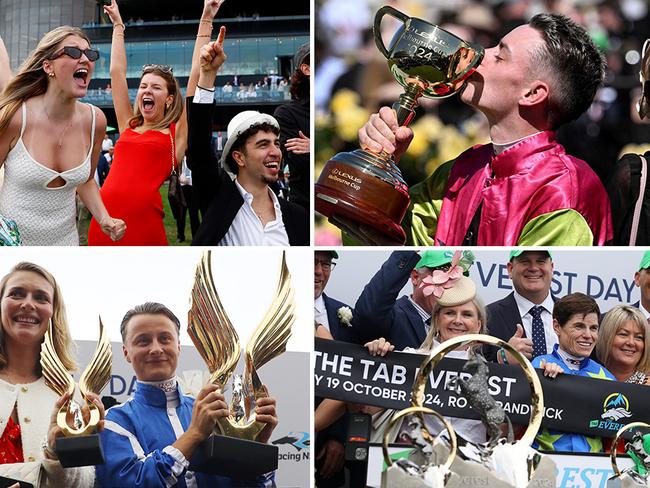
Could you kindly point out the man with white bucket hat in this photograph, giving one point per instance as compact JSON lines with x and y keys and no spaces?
{"x":237,"y":204}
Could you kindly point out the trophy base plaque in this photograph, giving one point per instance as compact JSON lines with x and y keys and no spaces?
{"x":237,"y":458}
{"x":365,"y":189}
{"x":396,"y":477}
{"x":85,"y":450}
{"x":625,"y":481}
{"x":469,"y":473}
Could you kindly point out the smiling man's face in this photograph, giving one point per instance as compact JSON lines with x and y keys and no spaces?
{"x":531,"y":273}
{"x":152,"y":346}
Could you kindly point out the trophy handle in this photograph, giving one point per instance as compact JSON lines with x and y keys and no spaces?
{"x":376,"y":29}
{"x":617,"y":438}
{"x":418,"y":409}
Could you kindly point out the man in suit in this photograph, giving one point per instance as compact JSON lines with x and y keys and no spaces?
{"x":403,"y":321}
{"x":327,"y":310}
{"x":524,"y":318}
{"x":330,"y":449}
{"x":642,"y":280}
{"x":239,"y":211}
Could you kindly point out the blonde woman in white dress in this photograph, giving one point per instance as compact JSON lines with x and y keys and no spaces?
{"x":50,"y":142}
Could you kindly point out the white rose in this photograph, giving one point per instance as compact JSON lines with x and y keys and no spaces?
{"x":345,"y":315}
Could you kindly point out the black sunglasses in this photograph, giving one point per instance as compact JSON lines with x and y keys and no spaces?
{"x":75,"y":53}
{"x":147,"y":68}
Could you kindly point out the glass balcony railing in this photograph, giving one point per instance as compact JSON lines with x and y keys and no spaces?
{"x":103,"y":98}
{"x":246,"y":56}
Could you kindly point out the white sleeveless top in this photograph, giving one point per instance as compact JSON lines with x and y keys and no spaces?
{"x":45,"y":216}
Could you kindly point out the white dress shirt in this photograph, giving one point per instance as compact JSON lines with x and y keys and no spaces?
{"x":524,"y":305}
{"x":320,"y":312}
{"x":247,"y":229}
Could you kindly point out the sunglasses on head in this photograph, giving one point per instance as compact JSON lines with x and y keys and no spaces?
{"x":75,"y":53}
{"x":148,"y":68}
{"x":643,"y":105}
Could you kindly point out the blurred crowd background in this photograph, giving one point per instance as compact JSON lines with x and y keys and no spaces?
{"x":352,"y":80}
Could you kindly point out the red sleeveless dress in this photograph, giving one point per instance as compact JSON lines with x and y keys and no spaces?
{"x":131,"y":192}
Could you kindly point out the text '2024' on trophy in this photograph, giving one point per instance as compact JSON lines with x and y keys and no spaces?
{"x":232,"y":450}
{"x":80,"y":444}
{"x":367,"y":188}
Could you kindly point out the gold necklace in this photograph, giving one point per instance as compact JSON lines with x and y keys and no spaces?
{"x":65,"y":129}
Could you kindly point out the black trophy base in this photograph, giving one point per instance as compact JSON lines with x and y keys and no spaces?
{"x":85,"y":450}
{"x":237,"y":458}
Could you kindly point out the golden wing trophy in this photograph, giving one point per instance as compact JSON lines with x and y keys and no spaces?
{"x":498,"y":462}
{"x":232,"y":449}
{"x":80,"y":444}
{"x":638,"y":448}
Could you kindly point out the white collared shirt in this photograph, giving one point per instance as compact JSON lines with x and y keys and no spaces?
{"x":424,"y":315}
{"x":320,"y":312}
{"x":524,"y":305}
{"x":203,"y":96}
{"x":247,"y":229}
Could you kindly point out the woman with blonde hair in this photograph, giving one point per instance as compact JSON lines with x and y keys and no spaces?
{"x":457,"y":311}
{"x":153,"y":138}
{"x":5,"y":68}
{"x":50,"y":142}
{"x":30,"y":300}
{"x":623,"y":344}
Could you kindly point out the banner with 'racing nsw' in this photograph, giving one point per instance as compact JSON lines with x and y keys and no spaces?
{"x":590,"y":406}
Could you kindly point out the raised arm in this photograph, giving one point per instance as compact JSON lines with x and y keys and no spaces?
{"x":5,"y":68}
{"x":210,"y":9}
{"x":211,"y":59}
{"x":120,"y":89}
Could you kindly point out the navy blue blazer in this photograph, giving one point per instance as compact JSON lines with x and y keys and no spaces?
{"x":502,"y":319}
{"x":339,"y":331}
{"x":379,"y":313}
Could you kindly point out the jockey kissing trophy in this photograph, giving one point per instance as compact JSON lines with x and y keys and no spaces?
{"x":232,"y":449}
{"x":367,"y":188}
{"x":80,"y":444}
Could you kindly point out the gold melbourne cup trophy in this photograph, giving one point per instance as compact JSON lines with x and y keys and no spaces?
{"x":232,"y":449}
{"x":80,"y":444}
{"x":367,"y":188}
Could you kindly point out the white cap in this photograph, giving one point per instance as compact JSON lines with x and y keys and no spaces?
{"x":241,"y":123}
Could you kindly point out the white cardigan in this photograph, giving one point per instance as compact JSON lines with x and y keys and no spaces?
{"x":35,"y":403}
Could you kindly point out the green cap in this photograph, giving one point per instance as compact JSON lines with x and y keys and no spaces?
{"x":645,"y":261}
{"x":518,"y":252}
{"x":433,"y":259}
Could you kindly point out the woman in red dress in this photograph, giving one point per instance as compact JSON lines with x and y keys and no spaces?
{"x":153,"y":139}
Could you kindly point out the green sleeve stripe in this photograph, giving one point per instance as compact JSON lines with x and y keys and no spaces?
{"x":565,"y":227}
{"x":421,"y":220}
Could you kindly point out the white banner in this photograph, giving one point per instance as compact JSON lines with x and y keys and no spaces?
{"x":606,"y":275}
{"x":573,"y":470}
